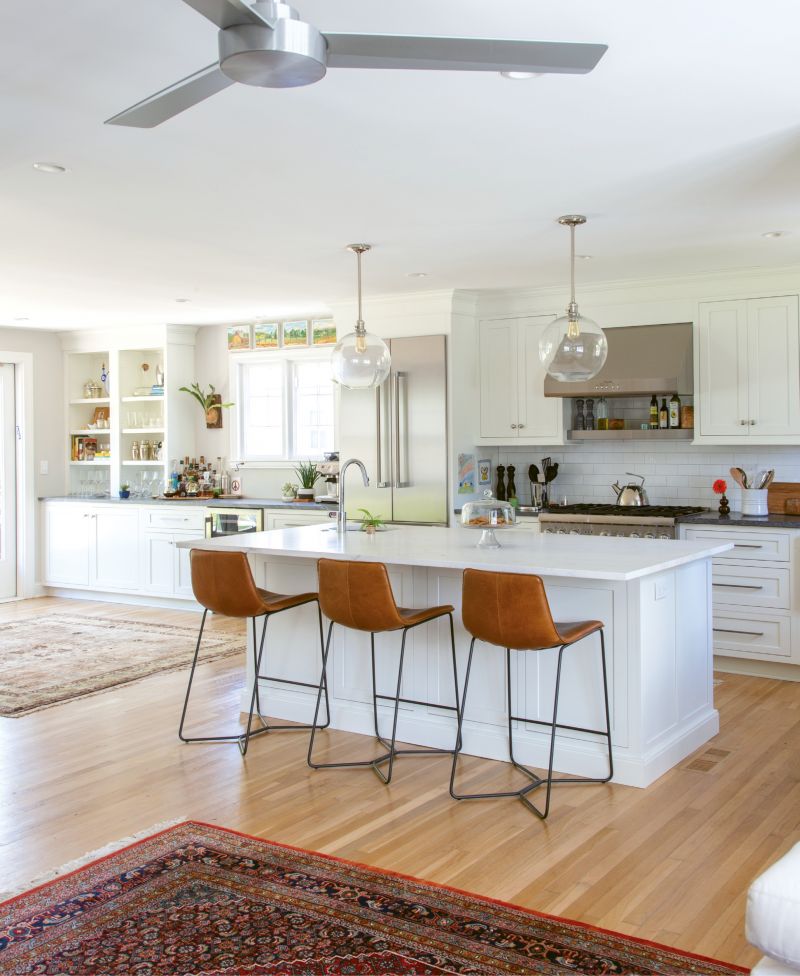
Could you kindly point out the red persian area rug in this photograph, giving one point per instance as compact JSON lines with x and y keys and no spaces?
{"x":206,"y":901}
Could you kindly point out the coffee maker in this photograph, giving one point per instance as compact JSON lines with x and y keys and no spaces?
{"x":329,"y":469}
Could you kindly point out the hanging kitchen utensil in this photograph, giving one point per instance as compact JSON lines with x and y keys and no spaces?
{"x":738,"y":476}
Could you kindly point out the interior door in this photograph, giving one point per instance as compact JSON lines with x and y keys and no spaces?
{"x":8,"y":484}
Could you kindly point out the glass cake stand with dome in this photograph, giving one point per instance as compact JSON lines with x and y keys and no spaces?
{"x":488,"y":514}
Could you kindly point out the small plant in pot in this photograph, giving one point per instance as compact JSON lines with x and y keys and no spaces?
{"x":308,"y":476}
{"x":288,"y":491}
{"x":370,"y":523}
{"x":125,"y":490}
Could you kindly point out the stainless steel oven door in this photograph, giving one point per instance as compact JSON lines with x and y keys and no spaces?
{"x":233,"y":521}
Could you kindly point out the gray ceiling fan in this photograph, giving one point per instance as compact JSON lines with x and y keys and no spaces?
{"x":267,"y":45}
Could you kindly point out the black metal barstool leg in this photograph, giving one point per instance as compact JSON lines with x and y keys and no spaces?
{"x":191,"y":677}
{"x":457,"y":747}
{"x":461,"y":720}
{"x":323,"y":684}
{"x":510,"y":710}
{"x":549,"y":780}
{"x":388,"y":777}
{"x":374,"y":690}
{"x":608,"y":712}
{"x":244,"y":741}
{"x":324,"y":675}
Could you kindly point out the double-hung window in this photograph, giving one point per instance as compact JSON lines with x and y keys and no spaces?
{"x":284,"y":406}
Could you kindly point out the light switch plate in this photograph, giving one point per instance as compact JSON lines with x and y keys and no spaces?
{"x":43,"y":467}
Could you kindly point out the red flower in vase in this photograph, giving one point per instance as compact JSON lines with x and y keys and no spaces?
{"x":720,"y":486}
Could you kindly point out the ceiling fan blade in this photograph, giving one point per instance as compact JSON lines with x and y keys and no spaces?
{"x":171,"y":101}
{"x":460,"y":54}
{"x":228,"y":13}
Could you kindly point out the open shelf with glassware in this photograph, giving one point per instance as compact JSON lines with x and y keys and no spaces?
{"x":125,"y":404}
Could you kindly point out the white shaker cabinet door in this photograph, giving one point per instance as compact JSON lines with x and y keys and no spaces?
{"x":114,"y":562}
{"x":774,"y":367}
{"x":498,"y":368}
{"x":66,"y":544}
{"x":158,"y":554}
{"x":541,"y":418}
{"x":722,"y":373}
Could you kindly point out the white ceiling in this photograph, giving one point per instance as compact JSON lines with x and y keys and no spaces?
{"x":682,"y":147}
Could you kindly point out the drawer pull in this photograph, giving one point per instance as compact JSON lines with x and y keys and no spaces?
{"x":744,"y":545}
{"x":739,"y":586}
{"x":745,"y":633}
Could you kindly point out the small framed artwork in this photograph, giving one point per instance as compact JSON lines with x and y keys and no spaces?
{"x":323,"y":332}
{"x":485,"y":473}
{"x":466,"y":474}
{"x":239,"y":338}
{"x":295,"y":333}
{"x":266,"y":335}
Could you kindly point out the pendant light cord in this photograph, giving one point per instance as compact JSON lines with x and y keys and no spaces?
{"x":571,"y":263}
{"x":360,"y":321}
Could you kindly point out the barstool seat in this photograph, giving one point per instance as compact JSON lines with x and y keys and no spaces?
{"x":511,"y":610}
{"x":223,"y":583}
{"x":358,"y":595}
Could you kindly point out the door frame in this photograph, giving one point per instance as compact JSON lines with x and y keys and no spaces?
{"x":25,"y":480}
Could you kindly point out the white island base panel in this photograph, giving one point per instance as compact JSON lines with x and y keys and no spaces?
{"x":658,"y":645}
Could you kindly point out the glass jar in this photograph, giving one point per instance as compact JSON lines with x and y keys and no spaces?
{"x":135,"y":451}
{"x":488,"y":514}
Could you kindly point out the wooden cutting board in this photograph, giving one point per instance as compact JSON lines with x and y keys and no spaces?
{"x":783,"y":498}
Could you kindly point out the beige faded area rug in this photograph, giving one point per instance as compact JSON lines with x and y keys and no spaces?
{"x":53,"y":659}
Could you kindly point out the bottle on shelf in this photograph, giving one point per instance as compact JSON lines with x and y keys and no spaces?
{"x":663,"y":415}
{"x":602,"y":414}
{"x":653,"y":412}
{"x":674,"y":412}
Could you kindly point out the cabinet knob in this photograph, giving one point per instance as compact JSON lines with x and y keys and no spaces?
{"x":742,"y":423}
{"x":521,"y":426}
{"x":752,"y":423}
{"x":513,"y":426}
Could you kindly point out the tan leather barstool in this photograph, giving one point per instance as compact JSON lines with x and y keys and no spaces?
{"x":359,"y":595}
{"x":511,"y":610}
{"x":223,"y":583}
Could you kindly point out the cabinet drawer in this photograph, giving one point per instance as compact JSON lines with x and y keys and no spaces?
{"x":752,"y":635}
{"x":769,"y":546}
{"x":751,"y":586}
{"x":174,"y":519}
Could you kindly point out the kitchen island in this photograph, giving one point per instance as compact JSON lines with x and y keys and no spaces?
{"x":654,"y":597}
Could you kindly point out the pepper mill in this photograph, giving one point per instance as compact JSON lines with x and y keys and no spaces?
{"x":589,"y":420}
{"x":580,"y":423}
{"x":511,"y":491}
{"x":500,"y":493}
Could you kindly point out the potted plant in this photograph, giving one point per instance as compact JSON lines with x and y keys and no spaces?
{"x":211,"y":403}
{"x":370,"y":523}
{"x":309,"y":476}
{"x":125,"y":490}
{"x":288,"y":491}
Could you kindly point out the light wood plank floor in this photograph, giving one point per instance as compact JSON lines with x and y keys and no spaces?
{"x":671,"y":863}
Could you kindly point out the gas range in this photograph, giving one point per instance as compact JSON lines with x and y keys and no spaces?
{"x":632,"y":521}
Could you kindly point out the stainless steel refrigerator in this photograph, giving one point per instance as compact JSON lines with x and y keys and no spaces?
{"x":399,"y":431}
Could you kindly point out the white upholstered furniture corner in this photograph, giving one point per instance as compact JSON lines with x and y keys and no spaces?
{"x":773,"y":916}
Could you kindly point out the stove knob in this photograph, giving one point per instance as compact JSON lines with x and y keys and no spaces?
{"x":561,"y":532}
{"x":649,"y":535}
{"x":634,"y":535}
{"x":664,"y":536}
{"x":574,"y":532}
{"x":605,"y":532}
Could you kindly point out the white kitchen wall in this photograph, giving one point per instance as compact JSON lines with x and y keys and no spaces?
{"x":676,"y":473}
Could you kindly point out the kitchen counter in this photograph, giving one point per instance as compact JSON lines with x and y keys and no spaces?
{"x":654,"y":598}
{"x":737,"y":519}
{"x":202,"y":502}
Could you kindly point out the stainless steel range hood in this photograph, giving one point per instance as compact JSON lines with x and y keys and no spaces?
{"x":642,"y":360}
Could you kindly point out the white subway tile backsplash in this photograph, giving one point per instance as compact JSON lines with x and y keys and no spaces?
{"x":675,"y":473}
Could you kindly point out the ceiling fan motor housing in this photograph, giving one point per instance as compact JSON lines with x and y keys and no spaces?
{"x":291,"y":55}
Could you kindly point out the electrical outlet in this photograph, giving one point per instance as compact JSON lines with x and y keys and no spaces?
{"x":661,"y":589}
{"x":43,"y":467}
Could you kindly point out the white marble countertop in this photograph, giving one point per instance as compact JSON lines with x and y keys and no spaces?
{"x":581,"y":557}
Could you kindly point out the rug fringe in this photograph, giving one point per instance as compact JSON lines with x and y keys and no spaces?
{"x":87,"y":858}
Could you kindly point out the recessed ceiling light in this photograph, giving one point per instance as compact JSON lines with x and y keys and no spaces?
{"x":182,"y":301}
{"x":520,"y":75}
{"x":418,"y":274}
{"x":22,"y":318}
{"x":50,"y":168}
{"x":584,"y":257}
{"x":774,"y":233}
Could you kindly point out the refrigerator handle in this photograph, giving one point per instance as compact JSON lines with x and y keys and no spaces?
{"x":398,"y":482}
{"x":379,"y":442}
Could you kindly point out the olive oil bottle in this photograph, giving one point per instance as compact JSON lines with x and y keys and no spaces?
{"x":674,"y":412}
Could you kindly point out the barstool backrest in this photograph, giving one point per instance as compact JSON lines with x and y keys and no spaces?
{"x":508,"y":609}
{"x":222,"y":582}
{"x":357,"y":595}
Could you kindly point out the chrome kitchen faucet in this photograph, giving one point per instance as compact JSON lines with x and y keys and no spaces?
{"x":341,"y":518}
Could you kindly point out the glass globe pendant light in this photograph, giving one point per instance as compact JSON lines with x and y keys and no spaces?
{"x":573,"y":348}
{"x":360,"y":360}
